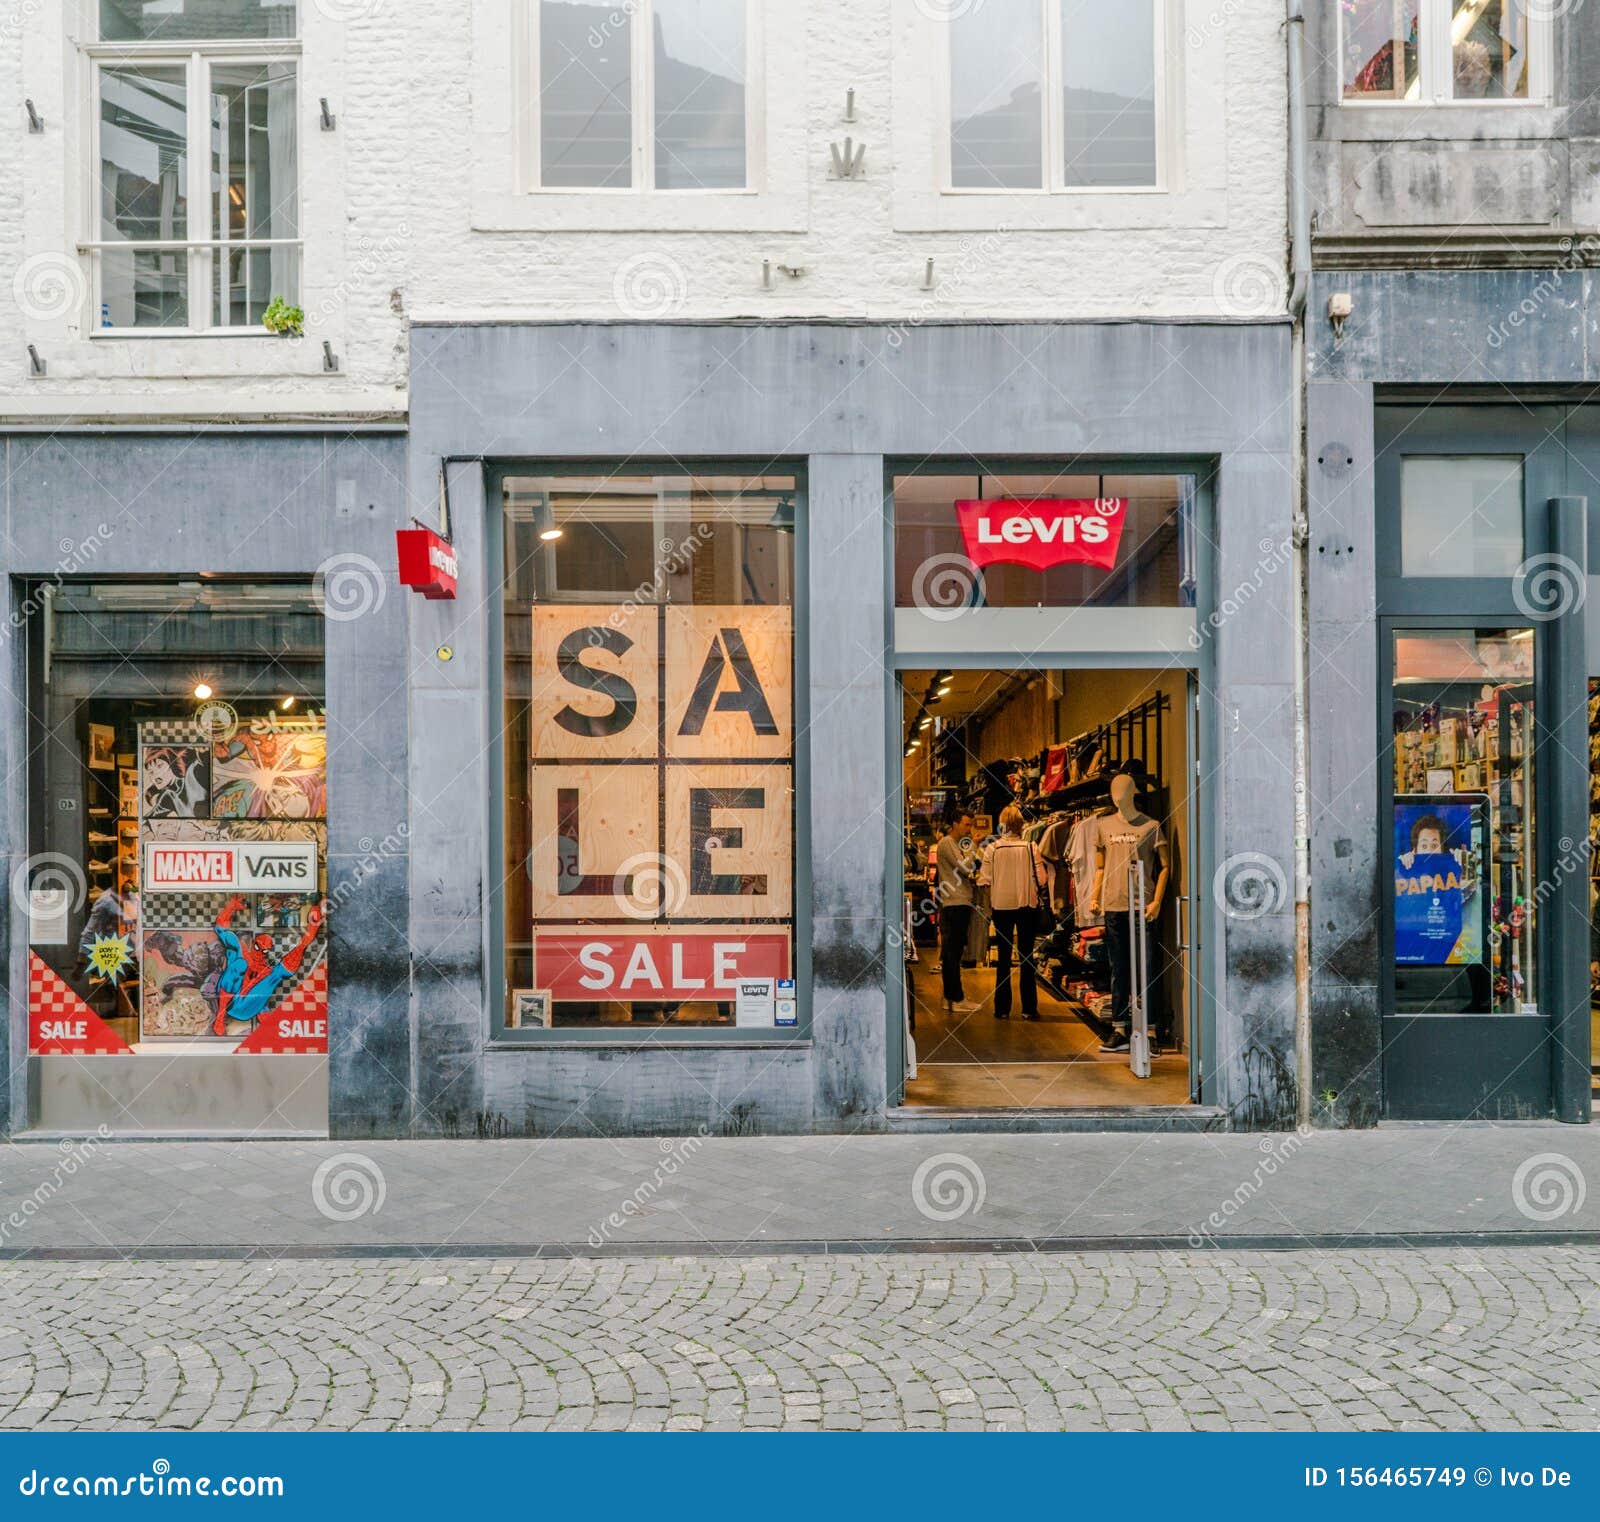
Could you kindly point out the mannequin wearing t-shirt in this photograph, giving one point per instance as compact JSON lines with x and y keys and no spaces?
{"x":1124,"y":838}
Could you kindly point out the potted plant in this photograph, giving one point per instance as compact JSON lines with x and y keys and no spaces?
{"x":283,"y":319}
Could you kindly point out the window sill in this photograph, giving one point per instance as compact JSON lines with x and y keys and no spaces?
{"x":99,"y":335}
{"x":1405,"y":121}
{"x":703,"y":1040}
{"x":1087,"y":210}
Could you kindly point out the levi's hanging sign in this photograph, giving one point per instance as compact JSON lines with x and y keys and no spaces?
{"x":427,"y":562}
{"x":1043,"y":531}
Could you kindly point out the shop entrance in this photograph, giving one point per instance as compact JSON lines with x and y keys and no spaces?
{"x":175,"y":892}
{"x":1040,"y":807}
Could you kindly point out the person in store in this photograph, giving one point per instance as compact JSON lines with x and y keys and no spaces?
{"x":955,"y":869}
{"x":1012,"y":872}
{"x":1127,"y":841}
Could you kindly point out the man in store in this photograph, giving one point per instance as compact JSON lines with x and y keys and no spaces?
{"x":955,"y":867}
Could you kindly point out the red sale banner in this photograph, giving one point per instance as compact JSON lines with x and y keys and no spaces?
{"x":600,"y":964}
{"x":1043,"y":531}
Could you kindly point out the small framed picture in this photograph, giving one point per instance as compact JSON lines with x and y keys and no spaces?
{"x":102,"y":747}
{"x":1441,"y":779}
{"x":128,"y":792}
{"x":530,"y":1009}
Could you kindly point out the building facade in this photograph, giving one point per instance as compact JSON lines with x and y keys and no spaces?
{"x":1451,"y":462}
{"x":830,"y":426}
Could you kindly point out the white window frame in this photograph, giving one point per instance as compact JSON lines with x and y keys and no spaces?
{"x":197,"y":59}
{"x":1436,"y":68}
{"x":1051,"y":124}
{"x":641,"y":54}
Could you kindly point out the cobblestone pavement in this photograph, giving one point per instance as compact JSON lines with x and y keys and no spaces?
{"x":1441,"y":1338}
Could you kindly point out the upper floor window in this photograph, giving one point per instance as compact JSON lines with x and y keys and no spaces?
{"x":1056,"y":95}
{"x":1432,"y":52}
{"x":649,"y":95}
{"x":196,"y":141}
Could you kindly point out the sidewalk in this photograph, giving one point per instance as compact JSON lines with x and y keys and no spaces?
{"x":1424,"y":1185}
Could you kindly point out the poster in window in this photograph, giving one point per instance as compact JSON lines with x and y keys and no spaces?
{"x":1440,"y":899}
{"x":279,"y":774}
{"x":102,"y":747}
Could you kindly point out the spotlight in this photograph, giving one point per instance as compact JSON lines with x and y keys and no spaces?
{"x":202,"y":690}
{"x":544,"y":522}
{"x":286,"y":703}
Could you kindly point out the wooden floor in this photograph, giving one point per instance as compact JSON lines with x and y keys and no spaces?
{"x":977,"y":1062}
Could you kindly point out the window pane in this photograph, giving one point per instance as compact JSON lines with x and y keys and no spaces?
{"x":1043,"y":541}
{"x":143,"y":290}
{"x":1108,"y":59}
{"x":996,"y":53}
{"x":144,"y":166}
{"x":1461,"y":516}
{"x":254,"y":187}
{"x":1489,"y":49}
{"x":1463,"y":842}
{"x":585,"y":95}
{"x":1381,"y":49}
{"x":195,"y":20}
{"x":649,"y":743}
{"x":699,"y":88}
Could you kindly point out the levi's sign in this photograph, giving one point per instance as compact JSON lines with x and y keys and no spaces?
{"x":427,"y":563}
{"x":232,"y":866}
{"x":1043,"y":531}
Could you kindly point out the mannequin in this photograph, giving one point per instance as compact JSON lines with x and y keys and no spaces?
{"x":1125,"y":837}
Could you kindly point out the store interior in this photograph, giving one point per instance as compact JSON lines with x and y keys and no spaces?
{"x":1090,"y":758}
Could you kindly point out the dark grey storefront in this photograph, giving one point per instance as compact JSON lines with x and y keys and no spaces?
{"x":417,"y":1043}
{"x":1436,"y":370}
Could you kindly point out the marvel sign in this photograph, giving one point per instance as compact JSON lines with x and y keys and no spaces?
{"x":1041,"y":532}
{"x":232,"y":866}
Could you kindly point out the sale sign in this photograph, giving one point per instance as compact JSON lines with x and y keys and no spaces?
{"x":601,"y":963}
{"x":1041,"y":532}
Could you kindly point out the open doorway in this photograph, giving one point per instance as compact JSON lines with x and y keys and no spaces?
{"x":1039,"y":807}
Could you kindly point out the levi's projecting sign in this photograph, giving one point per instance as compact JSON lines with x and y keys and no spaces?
{"x":230,"y":866}
{"x":427,"y":562}
{"x":1043,"y":531}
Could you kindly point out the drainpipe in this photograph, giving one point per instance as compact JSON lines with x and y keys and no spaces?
{"x":1300,"y":268}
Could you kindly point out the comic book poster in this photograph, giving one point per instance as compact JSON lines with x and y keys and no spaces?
{"x":280,"y":774}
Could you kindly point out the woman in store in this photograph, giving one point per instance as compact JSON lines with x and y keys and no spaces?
{"x":1012,"y":870}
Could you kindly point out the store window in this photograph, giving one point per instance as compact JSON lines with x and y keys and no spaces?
{"x":177,"y":784}
{"x":648,"y":751}
{"x":1055,"y":94}
{"x":650,"y":95}
{"x":1433,"y":51}
{"x":1044,"y":540}
{"x":1463,"y":842}
{"x":1461,"y":515}
{"x":198,"y":165}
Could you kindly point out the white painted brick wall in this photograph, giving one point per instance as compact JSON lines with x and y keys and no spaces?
{"x":411,"y":206}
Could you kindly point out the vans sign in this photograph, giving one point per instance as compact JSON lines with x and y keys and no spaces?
{"x":230,"y":866}
{"x":1041,"y":532}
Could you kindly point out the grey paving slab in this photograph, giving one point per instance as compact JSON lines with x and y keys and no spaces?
{"x":731,"y":1195}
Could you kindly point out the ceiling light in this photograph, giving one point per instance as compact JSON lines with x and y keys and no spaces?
{"x":287,"y":703}
{"x":944,"y":691}
{"x":202,"y":690}
{"x":544,"y":522}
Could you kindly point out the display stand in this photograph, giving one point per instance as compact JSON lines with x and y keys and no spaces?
{"x":1139,"y":959}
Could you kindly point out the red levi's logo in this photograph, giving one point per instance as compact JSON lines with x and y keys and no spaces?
{"x":1043,"y":531}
